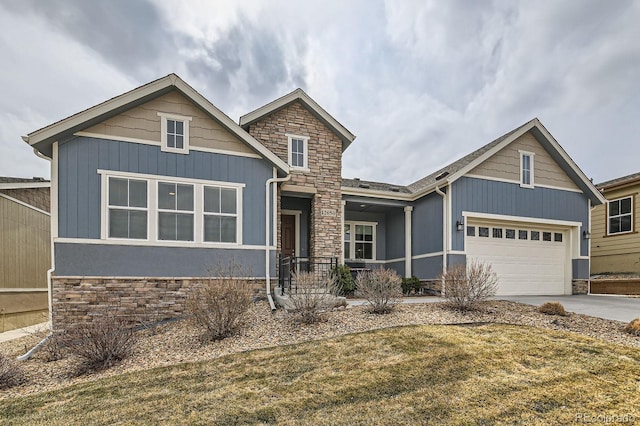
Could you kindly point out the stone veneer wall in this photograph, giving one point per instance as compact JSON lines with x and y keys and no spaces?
{"x":325,"y":171}
{"x":580,"y":287}
{"x":36,"y":197}
{"x":139,"y":300}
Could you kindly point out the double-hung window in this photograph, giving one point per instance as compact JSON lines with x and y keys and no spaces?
{"x":298,"y":152}
{"x":619,"y":215}
{"x":127,"y":208}
{"x":359,"y":240}
{"x":174,"y":136}
{"x":175,"y":212}
{"x":526,"y":169}
{"x":220,"y":214}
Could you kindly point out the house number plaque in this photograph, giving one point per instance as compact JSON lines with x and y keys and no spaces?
{"x":328,"y":212}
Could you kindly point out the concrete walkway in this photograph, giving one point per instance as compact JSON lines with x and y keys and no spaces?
{"x":620,"y":308}
{"x":21,"y":332}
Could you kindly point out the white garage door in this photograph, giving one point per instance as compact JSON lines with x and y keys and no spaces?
{"x":528,"y":259}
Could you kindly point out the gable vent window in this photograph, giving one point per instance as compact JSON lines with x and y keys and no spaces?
{"x":299,"y":152}
{"x":174,"y":133}
{"x":526,"y":169}
{"x":620,"y":216}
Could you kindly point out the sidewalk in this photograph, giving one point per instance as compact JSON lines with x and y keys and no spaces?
{"x":21,"y":332}
{"x":408,"y":300}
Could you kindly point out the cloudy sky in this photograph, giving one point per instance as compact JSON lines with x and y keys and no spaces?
{"x":420,"y":83}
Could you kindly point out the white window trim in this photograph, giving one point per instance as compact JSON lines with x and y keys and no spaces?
{"x":152,"y":208}
{"x":106,"y":208}
{"x":305,"y":143}
{"x":352,"y":242}
{"x":163,"y":132}
{"x":620,"y":215}
{"x":531,"y":171}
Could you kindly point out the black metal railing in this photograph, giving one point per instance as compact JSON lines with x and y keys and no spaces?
{"x":288,"y":266}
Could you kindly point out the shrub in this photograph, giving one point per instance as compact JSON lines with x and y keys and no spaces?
{"x":633,"y":327}
{"x":10,"y":373}
{"x":344,"y":279}
{"x":382,"y":288}
{"x":465,"y":287}
{"x":219,"y":305}
{"x":552,"y":308}
{"x":313,"y":295}
{"x":99,"y":344}
{"x":411,"y":284}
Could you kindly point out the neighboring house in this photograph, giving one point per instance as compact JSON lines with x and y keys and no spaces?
{"x":25,"y":251}
{"x":615,"y":242}
{"x":154,"y":186}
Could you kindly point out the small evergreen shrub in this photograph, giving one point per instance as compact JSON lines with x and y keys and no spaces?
{"x":409,"y":285}
{"x":382,"y":288}
{"x":633,"y":327}
{"x":552,"y":308}
{"x":344,"y":279}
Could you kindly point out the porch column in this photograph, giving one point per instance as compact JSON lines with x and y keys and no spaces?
{"x":407,"y":241}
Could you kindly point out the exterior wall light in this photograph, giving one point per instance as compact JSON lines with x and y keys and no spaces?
{"x":586,"y":235}
{"x":459,"y":225}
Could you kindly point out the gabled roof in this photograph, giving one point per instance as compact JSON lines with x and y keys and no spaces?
{"x":42,"y":139}
{"x":459,"y":168}
{"x":619,"y":182}
{"x":299,"y":95}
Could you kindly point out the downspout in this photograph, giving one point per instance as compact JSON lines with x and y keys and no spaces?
{"x":444,"y":234}
{"x":267,"y":251}
{"x":54,"y":231}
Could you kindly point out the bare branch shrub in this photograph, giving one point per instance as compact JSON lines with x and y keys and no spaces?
{"x":219,"y":305}
{"x":314,"y":294}
{"x":552,"y":308}
{"x":10,"y":373}
{"x":633,"y":327}
{"x":465,"y":287}
{"x":382,"y":288}
{"x":100,"y":343}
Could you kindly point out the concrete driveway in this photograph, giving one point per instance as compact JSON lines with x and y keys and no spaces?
{"x":619,"y":308}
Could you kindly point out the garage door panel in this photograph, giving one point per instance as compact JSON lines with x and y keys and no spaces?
{"x":523,"y":266}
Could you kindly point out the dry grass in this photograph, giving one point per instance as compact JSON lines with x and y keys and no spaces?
{"x":492,"y":374}
{"x":552,"y":308}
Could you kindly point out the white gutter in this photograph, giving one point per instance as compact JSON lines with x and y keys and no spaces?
{"x":445,"y":234}
{"x":267,"y":252}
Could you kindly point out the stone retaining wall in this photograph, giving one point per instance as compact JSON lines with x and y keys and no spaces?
{"x":139,"y":300}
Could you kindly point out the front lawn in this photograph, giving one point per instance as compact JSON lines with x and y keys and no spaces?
{"x":408,"y":375}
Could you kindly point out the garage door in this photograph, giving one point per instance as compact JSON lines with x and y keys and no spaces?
{"x":528,"y":260}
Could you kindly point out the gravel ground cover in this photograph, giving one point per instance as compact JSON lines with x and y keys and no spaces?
{"x":180,"y":342}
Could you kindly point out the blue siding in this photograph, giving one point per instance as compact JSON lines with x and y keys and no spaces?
{"x":580,"y":269}
{"x":427,"y":268}
{"x":145,"y":261}
{"x":485,"y":196}
{"x":396,"y":266}
{"x":395,"y":234}
{"x":304,"y":205}
{"x":427,"y":225}
{"x":381,"y":234}
{"x":79,"y":191}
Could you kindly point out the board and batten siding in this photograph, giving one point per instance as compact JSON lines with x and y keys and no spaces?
{"x":79,"y":200}
{"x":25,"y":257}
{"x":143,"y":122}
{"x":505,"y":164}
{"x":79,"y":206}
{"x":618,"y":252}
{"x":509,"y":199}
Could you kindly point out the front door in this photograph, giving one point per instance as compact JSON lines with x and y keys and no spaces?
{"x":288,"y":227}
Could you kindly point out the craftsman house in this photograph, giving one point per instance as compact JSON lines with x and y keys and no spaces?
{"x":152,"y":187}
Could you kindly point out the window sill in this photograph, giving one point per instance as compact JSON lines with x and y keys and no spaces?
{"x":300,"y":169}
{"x":527,"y":186}
{"x":175,"y":150}
{"x":618,"y":234}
